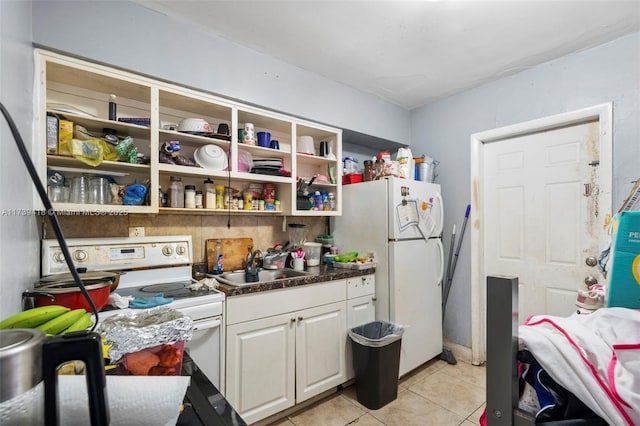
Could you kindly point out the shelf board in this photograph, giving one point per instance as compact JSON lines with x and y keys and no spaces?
{"x":167,"y":135}
{"x":91,"y":124}
{"x":74,"y":165}
{"x":74,"y":209}
{"x":199,"y":171}
{"x":172,"y":210}
{"x":262,"y":152}
{"x":314,"y":159}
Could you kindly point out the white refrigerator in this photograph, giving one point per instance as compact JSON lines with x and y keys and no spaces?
{"x":410,"y":267}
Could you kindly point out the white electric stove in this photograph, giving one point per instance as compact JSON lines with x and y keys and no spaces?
{"x":152,"y":265}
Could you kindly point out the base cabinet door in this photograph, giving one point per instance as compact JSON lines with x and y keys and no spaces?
{"x":320,"y":349}
{"x":360,"y":310}
{"x":261,"y":366}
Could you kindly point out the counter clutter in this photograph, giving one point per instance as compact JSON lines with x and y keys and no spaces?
{"x":316,"y":274}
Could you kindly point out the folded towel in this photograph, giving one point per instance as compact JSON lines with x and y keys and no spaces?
{"x":149,"y":302}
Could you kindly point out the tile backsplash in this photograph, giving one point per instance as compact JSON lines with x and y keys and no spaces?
{"x":265,"y":231}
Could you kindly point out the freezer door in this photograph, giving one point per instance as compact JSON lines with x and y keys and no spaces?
{"x":416,"y":270}
{"x":423,"y":191}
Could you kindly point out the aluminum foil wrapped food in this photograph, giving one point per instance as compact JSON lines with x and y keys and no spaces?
{"x":134,"y":331}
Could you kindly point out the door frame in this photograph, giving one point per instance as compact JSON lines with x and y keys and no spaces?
{"x":603,"y":113}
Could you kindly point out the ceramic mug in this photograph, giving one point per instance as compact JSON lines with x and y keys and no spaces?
{"x":298,"y":264}
{"x":248,"y":135}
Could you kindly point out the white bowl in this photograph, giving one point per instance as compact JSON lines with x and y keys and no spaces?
{"x":194,"y":125}
{"x":305,"y":145}
{"x":211,"y":157}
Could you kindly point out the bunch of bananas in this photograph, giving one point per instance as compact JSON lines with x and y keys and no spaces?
{"x":53,"y":319}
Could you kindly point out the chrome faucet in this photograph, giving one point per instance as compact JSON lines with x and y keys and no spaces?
{"x":252,"y":268}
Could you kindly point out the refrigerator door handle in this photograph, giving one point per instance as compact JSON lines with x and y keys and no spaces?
{"x":441,"y":250}
{"x":439,"y":198}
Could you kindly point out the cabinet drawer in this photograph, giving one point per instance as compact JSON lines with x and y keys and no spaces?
{"x":274,"y":302}
{"x":360,"y":286}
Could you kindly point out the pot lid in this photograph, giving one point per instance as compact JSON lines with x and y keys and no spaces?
{"x":67,"y":280}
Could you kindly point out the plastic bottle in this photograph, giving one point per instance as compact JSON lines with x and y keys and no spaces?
{"x":218,"y":267}
{"x":112,"y":107}
{"x":332,"y":201}
{"x":176,"y":193}
{"x":219,"y":193}
{"x":317,"y":198}
{"x":190,"y":196}
{"x":198,"y":199}
{"x":209,"y":194}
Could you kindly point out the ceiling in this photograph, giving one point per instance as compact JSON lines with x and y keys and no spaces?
{"x":411,"y":53}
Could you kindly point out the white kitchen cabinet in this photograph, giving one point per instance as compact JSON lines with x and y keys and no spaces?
{"x":284,"y":347}
{"x":84,"y":89}
{"x":360,"y":310}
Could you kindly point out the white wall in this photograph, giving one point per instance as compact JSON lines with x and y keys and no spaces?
{"x":19,"y":251}
{"x":127,"y":35}
{"x":608,"y":73}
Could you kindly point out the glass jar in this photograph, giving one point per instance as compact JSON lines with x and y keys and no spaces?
{"x":176,"y":192}
{"x":332,"y":201}
{"x":269,"y":193}
{"x":190,"y":197}
{"x":368,"y":170}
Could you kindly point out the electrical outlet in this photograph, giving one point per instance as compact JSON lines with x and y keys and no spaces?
{"x":136,"y":231}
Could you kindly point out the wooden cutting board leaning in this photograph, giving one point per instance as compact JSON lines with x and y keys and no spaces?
{"x":234,"y":251}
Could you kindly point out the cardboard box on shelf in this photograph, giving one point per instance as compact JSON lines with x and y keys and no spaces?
{"x":624,"y":270}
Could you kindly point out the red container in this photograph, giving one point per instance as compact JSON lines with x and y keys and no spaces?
{"x":63,"y":290}
{"x":352,"y":178}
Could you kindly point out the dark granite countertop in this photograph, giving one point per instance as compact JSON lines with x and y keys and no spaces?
{"x":317,"y":274}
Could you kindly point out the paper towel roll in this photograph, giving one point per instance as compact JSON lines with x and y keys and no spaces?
{"x":133,"y":400}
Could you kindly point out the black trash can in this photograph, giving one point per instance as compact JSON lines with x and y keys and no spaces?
{"x":376,"y":361}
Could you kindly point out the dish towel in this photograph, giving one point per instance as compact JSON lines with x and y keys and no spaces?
{"x":149,"y":302}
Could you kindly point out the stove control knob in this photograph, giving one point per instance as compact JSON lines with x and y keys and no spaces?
{"x":80,"y":255}
{"x":58,"y":257}
{"x":167,"y":250}
{"x":180,"y":250}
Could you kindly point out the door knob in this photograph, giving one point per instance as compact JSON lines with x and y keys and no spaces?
{"x":591,"y":261}
{"x":590,"y":280}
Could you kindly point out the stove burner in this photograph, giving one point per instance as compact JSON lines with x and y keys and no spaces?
{"x":164,"y":287}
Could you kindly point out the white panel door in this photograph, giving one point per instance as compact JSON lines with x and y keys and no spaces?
{"x":320,"y":355}
{"x":416,"y":275}
{"x":540,"y":218}
{"x":261,"y":366}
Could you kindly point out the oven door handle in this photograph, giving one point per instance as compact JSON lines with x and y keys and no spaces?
{"x":206,"y":324}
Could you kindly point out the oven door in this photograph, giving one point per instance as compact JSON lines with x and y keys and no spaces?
{"x":205,"y":344}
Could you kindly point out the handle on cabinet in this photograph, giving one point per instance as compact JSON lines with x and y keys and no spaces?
{"x":300,"y":318}
{"x":373,"y":299}
{"x":293,"y":320}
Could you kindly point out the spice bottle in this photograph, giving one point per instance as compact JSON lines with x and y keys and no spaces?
{"x":190,"y":196}
{"x":368,"y":170}
{"x":209,"y":194}
{"x":176,"y":193}
{"x":219,"y":192}
{"x":198,"y":199}
{"x":112,"y":107}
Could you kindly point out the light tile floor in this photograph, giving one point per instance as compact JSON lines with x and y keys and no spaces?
{"x":435,"y":394}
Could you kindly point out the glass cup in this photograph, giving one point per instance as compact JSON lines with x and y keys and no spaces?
{"x":79,"y":190}
{"x":99,"y":191}
{"x":58,"y":194}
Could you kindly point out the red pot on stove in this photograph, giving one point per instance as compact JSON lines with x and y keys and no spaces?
{"x":63,"y":290}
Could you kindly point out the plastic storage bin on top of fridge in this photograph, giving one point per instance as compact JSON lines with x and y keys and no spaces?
{"x":376,"y":362}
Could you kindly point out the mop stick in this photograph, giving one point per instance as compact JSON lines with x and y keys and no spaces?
{"x":455,"y":258}
{"x":446,"y":278}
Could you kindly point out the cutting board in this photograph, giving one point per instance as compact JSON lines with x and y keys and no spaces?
{"x":234,"y":251}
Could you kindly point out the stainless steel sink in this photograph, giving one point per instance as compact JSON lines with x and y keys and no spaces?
{"x":237,"y":278}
